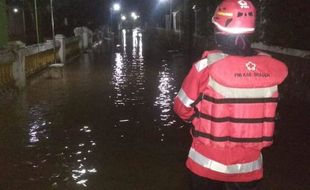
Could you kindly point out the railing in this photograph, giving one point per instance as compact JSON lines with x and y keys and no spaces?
{"x":39,"y":57}
{"x":6,"y":74}
{"x":18,"y":64}
{"x":6,"y":68}
{"x":72,"y":47}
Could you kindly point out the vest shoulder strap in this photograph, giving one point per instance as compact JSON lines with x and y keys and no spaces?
{"x":208,"y":59}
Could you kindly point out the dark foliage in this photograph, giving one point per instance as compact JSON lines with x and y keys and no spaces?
{"x":287,"y":23}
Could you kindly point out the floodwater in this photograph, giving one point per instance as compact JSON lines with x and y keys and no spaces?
{"x":108,"y":124}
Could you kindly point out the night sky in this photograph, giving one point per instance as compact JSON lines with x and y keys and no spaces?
{"x":286,"y":22}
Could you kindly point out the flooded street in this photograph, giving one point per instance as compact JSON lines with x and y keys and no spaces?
{"x":108,"y":124}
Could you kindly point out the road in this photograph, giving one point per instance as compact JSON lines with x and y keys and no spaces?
{"x":108,"y":124}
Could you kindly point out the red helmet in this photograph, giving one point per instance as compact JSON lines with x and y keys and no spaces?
{"x":235,"y":17}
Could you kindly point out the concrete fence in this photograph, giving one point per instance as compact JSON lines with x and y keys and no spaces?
{"x":19,"y":63}
{"x":39,"y":57}
{"x":70,"y":48}
{"x":6,"y":68}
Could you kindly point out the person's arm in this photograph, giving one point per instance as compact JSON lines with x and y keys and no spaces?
{"x":188,"y":93}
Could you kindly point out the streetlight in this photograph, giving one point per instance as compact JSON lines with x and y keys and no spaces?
{"x":123,"y":18}
{"x":15,"y":10}
{"x":116,"y":7}
{"x":134,"y":15}
{"x":170,"y":11}
{"x":196,"y":9}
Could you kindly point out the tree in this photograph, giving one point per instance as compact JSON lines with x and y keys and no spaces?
{"x":3,"y":24}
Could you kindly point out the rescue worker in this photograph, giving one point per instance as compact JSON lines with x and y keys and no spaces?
{"x":230,"y":97}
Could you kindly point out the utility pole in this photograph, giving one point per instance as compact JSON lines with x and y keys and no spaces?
{"x":187,"y":27}
{"x":195,"y":9}
{"x":24,"y":20}
{"x":170,"y":14}
{"x":36,"y":18}
{"x":262,"y":19}
{"x":53,"y":29}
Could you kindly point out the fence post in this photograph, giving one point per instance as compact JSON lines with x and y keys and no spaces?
{"x":85,"y":39}
{"x":19,"y":71}
{"x":90,"y":39}
{"x":62,"y":50}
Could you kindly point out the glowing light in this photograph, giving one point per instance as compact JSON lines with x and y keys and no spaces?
{"x":15,"y":10}
{"x":116,"y":7}
{"x":123,"y":17}
{"x":235,"y":30}
{"x":134,"y":15}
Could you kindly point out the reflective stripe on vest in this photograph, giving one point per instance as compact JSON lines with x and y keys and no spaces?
{"x":212,"y":58}
{"x":200,"y":65}
{"x":229,"y":92}
{"x":184,"y":98}
{"x":222,"y":168}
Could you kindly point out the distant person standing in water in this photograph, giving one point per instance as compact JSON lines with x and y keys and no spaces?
{"x":230,"y":97}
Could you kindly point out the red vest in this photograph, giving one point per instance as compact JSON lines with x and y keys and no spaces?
{"x":231,"y":101}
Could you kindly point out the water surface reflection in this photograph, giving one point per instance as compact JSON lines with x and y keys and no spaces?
{"x":80,"y":153}
{"x":106,"y":119}
{"x":128,"y":76}
{"x":164,"y":100}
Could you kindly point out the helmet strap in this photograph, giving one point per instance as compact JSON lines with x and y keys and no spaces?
{"x":237,"y":44}
{"x":240,"y":41}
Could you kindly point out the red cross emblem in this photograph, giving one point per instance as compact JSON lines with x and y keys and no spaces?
{"x":250,"y":66}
